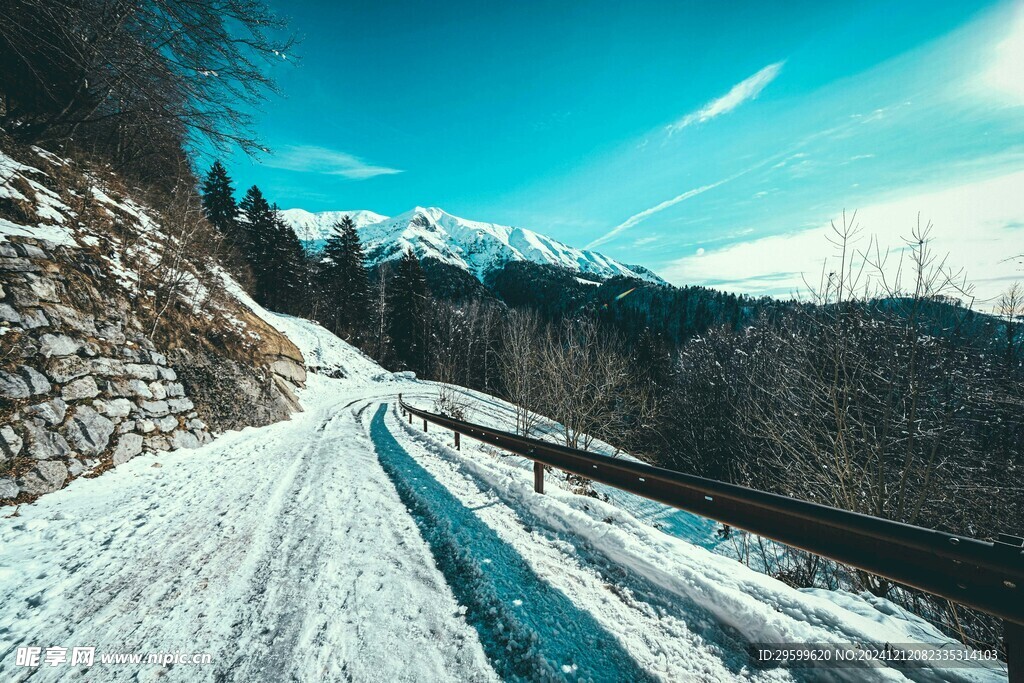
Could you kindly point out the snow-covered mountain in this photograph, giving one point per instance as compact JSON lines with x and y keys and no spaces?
{"x":473,"y":246}
{"x":317,"y":227}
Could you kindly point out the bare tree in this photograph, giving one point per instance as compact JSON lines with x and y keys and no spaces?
{"x":136,"y":77}
{"x":520,"y":362}
{"x":587,"y":385}
{"x":1011,"y":309}
{"x":853,"y":400}
{"x":380,"y":310}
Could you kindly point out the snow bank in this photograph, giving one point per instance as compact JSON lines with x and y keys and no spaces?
{"x":324,"y":352}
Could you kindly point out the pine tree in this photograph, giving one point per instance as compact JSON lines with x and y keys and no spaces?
{"x":407,"y":312}
{"x":344,"y":282}
{"x":219,"y":201}
{"x":256,"y":239}
{"x":274,"y":253}
{"x":287,"y":282}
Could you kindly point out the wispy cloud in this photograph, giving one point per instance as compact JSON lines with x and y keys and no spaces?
{"x":974,"y":223}
{"x":637,"y":217}
{"x":740,"y":93}
{"x":313,"y":159}
{"x":668,"y":203}
{"x":1004,"y":75}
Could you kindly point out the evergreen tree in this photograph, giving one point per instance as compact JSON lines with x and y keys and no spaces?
{"x":345,"y":286}
{"x":274,"y":253}
{"x":257,"y":230}
{"x":219,"y":201}
{"x":407,"y":312}
{"x":287,"y":286}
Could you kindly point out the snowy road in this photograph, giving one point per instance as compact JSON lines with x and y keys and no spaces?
{"x":288,"y":553}
{"x":283,"y":552}
{"x":347,"y":545}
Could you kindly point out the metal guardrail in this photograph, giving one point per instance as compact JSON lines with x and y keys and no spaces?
{"x":985,"y":576}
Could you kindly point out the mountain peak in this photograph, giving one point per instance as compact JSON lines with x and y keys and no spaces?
{"x":314,"y":228}
{"x":474,"y":246}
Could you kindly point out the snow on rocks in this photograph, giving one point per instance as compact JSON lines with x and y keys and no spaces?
{"x":70,"y":392}
{"x":69,"y":300}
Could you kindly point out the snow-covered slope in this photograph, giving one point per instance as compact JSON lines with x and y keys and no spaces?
{"x":473,"y":246}
{"x":317,"y":227}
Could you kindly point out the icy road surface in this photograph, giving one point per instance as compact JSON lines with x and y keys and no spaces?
{"x":346,"y":545}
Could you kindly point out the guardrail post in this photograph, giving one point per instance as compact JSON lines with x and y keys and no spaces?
{"x":424,"y":424}
{"x":538,"y":477}
{"x":1013,"y":638}
{"x":458,"y":446}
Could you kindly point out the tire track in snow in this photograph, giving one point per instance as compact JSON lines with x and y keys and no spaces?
{"x":674,"y":638}
{"x":529,"y":630}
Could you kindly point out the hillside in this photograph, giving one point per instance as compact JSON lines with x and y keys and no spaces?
{"x":118,"y":332}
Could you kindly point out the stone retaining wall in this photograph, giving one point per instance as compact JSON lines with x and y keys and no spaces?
{"x":81,"y":387}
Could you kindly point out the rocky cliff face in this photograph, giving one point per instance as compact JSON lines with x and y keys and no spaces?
{"x":90,"y":376}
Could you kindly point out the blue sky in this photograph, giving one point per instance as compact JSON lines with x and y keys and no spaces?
{"x":696,"y":138}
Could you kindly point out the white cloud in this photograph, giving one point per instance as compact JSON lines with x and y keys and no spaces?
{"x":313,"y":159}
{"x":1005,"y":74}
{"x":980,"y":225}
{"x":740,"y":93}
{"x":669,"y":203}
{"x":637,"y":217}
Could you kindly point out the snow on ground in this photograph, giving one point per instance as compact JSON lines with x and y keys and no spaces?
{"x":284,"y":552}
{"x":345,"y":544}
{"x":47,"y":205}
{"x":22,"y":183}
{"x":495,"y":412}
{"x":745,"y":606}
